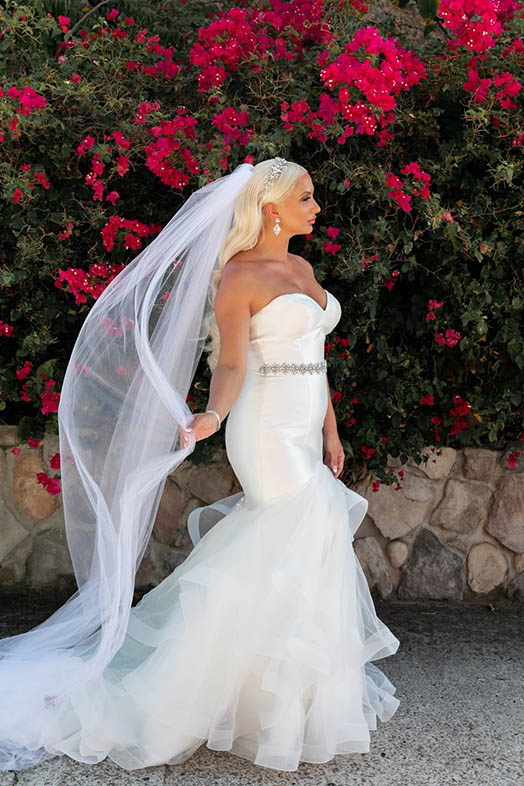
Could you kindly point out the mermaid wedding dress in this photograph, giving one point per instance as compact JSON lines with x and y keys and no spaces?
{"x":261,"y":642}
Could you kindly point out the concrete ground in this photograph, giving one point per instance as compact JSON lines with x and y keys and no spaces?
{"x":459,"y":673}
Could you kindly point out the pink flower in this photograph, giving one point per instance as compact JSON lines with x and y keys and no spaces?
{"x":98,"y":190}
{"x":112,"y":197}
{"x":414,"y":168}
{"x":97,"y":165}
{"x":86,"y":144}
{"x":34,"y":443}
{"x":64,"y":21}
{"x":449,"y":339}
{"x":120,"y":140}
{"x":80,"y":369}
{"x":146,"y":108}
{"x":331,"y":248}
{"x":50,"y":402}
{"x":5,"y":329}
{"x":232,"y":125}
{"x":122,"y":165}
{"x":512,"y":458}
{"x":16,"y":451}
{"x":393,"y":180}
{"x":476,"y":23}
{"x":364,"y":93}
{"x":51,"y":485}
{"x":461,"y":408}
{"x":68,"y":231}
{"x":41,"y":178}
{"x":131,"y":241}
{"x":402,"y":199}
{"x":368,"y":452}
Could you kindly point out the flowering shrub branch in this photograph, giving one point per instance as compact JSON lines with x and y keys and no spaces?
{"x":107,"y":123}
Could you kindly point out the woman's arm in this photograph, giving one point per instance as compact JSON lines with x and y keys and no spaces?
{"x":225,"y":385}
{"x":333,"y":450}
{"x":232,"y":307}
{"x":330,"y":421}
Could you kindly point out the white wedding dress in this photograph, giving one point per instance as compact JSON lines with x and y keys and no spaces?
{"x":260,"y":643}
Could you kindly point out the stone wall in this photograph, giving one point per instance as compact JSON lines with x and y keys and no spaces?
{"x":455,"y":530}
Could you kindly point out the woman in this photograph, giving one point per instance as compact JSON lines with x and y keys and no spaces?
{"x":260,"y":643}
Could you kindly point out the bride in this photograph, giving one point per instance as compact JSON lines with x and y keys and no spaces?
{"x":262,"y":641}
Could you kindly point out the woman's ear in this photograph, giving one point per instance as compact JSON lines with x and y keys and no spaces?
{"x":270,"y":211}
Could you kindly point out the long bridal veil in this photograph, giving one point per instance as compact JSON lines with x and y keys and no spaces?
{"x":123,"y":398}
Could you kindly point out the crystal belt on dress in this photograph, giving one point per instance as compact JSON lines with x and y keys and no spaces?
{"x":293,"y":368}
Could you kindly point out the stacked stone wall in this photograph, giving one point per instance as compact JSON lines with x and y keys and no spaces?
{"x":454,"y":530}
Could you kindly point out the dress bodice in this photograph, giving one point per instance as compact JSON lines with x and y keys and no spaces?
{"x":291,"y":328}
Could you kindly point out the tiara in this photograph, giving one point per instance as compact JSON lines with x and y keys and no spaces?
{"x":274,"y":173}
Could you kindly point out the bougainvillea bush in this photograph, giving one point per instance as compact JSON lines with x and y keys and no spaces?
{"x":415,"y":148}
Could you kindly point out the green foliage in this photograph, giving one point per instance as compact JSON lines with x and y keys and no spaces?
{"x":462,"y":246}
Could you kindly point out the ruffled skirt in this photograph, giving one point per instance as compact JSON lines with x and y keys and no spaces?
{"x":260,"y":643}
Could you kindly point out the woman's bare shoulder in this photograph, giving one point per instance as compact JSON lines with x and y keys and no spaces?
{"x":242,"y":257}
{"x":305,"y":266}
{"x":236,"y":280}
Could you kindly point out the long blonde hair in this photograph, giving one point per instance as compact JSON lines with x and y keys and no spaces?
{"x":246,"y":231}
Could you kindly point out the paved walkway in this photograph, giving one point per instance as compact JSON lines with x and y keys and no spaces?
{"x":459,"y":673}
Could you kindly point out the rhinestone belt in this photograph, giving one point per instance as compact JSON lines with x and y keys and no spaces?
{"x":294,"y":368}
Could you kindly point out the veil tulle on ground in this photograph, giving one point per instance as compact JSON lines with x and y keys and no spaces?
{"x":123,"y":398}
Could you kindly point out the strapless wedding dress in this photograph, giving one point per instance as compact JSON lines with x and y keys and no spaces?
{"x":261,"y":642}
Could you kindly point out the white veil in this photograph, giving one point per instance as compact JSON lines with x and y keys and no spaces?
{"x":123,"y":398}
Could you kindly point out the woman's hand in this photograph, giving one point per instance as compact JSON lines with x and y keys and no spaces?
{"x":203,"y":425}
{"x":334,"y":457}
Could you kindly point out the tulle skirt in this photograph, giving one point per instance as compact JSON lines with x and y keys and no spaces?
{"x":260,"y":643}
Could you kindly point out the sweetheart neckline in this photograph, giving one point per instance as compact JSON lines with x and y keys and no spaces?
{"x":288,"y":294}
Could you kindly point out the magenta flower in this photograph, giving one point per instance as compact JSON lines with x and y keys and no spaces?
{"x":450,"y":338}
{"x":51,"y":485}
{"x":34,"y":443}
{"x":5,"y":329}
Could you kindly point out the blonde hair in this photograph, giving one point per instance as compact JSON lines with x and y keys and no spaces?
{"x":246,"y":231}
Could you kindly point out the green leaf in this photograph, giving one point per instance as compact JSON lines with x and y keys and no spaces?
{"x":15,"y":221}
{"x":427,"y":8}
{"x":47,"y":368}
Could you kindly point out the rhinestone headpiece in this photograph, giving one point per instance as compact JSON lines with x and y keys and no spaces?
{"x":274,"y":174}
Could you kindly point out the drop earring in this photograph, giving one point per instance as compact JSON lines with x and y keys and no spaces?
{"x":276,"y":227}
